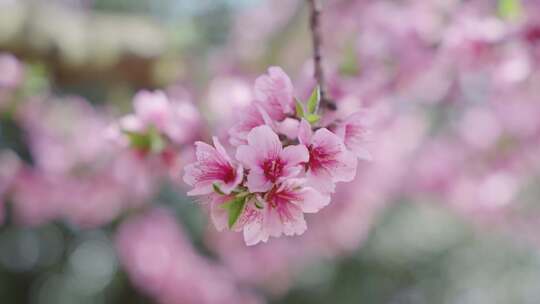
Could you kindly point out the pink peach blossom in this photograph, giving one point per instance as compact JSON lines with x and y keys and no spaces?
{"x":329,"y":160}
{"x":175,"y":119}
{"x":275,"y":92}
{"x":253,"y":116}
{"x":283,"y":211}
{"x":213,"y":166}
{"x":355,"y":132}
{"x":268,"y":162}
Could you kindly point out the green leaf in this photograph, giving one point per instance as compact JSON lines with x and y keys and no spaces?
{"x":151,"y":140}
{"x":510,"y":9}
{"x":299,"y":108}
{"x":313,"y":101}
{"x":138,"y":140}
{"x":36,"y":79}
{"x":235,"y":208}
{"x":313,"y":118}
{"x":156,"y":141}
{"x":349,"y":65}
{"x":217,"y":189}
{"x":258,"y":204}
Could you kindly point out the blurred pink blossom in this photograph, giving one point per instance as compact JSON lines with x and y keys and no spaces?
{"x":161,"y":262}
{"x":175,"y":119}
{"x":11,"y":71}
{"x":77,"y":175}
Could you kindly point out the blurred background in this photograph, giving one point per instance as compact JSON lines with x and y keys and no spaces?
{"x":447,"y":212}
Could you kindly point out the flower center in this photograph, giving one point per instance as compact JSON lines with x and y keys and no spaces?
{"x":278,"y":199}
{"x":532,"y":34}
{"x":353,"y":133}
{"x":229,"y":174}
{"x":273,"y":169}
{"x":217,"y":171}
{"x":320,"y":158}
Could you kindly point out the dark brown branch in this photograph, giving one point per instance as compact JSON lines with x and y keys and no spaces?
{"x":316,"y":36}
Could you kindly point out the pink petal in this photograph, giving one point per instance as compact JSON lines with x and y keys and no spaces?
{"x":252,"y":116}
{"x":219,"y":215}
{"x":275,"y":91}
{"x":272,"y":222}
{"x":254,"y":232}
{"x":294,"y":155}
{"x":190,"y":178}
{"x":293,"y":221}
{"x":340,"y":163}
{"x":305,"y":132}
{"x":356,"y":133}
{"x":247,"y":156}
{"x":250,"y":213}
{"x":328,"y":140}
{"x":257,"y":181}
{"x":313,"y":200}
{"x":288,"y":127}
{"x":264,"y":115}
{"x":321,"y":180}
{"x":265,"y":142}
{"x":346,"y":170}
{"x":228,"y":188}
{"x":290,"y":171}
{"x":205,"y":152}
{"x":221,"y":150}
{"x":212,"y":166}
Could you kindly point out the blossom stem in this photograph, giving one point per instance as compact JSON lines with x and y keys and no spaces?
{"x":316,"y":37}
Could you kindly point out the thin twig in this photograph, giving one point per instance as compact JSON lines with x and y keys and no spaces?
{"x":314,"y":25}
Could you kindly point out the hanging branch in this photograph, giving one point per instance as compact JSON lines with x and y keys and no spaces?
{"x":314,"y":24}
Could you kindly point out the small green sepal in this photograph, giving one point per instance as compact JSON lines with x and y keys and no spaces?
{"x":234,"y":208}
{"x":217,"y":189}
{"x":299,"y":108}
{"x":313,"y":118}
{"x":313,"y":101}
